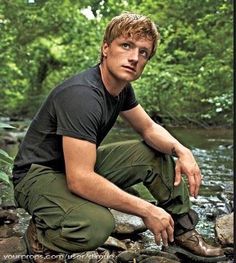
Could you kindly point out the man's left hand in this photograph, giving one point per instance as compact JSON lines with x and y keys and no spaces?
{"x":186,"y":164}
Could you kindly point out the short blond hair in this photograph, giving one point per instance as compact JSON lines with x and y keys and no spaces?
{"x":131,"y":25}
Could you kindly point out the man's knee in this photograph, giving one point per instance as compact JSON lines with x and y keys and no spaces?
{"x":85,"y":228}
{"x":100,"y":228}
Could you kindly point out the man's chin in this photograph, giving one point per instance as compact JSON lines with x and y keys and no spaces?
{"x":130,"y":77}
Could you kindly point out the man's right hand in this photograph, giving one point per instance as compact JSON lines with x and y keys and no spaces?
{"x":161,"y":224}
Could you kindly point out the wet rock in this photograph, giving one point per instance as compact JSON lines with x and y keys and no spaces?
{"x":8,"y":231}
{"x":12,"y":249}
{"x":106,"y":257}
{"x":157,"y":259}
{"x":8,"y":217}
{"x":228,"y":201}
{"x":126,"y":256}
{"x":146,"y":257}
{"x":134,"y":245}
{"x":84,"y":257}
{"x":215,"y":210}
{"x":199,"y":201}
{"x":100,"y":255}
{"x":127,"y":224}
{"x":115,"y":243}
{"x":224,"y":229}
{"x":159,"y":253}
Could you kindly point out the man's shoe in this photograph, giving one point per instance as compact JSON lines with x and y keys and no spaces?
{"x":192,"y":245}
{"x":194,"y":242}
{"x":38,"y":253}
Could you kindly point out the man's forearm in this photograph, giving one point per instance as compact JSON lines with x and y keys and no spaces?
{"x":99,"y":190}
{"x":160,"y":139}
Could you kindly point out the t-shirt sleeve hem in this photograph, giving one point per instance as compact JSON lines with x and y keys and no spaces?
{"x":76,"y":135}
{"x":130,"y":106}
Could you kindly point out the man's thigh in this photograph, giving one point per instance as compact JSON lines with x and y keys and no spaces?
{"x":131,"y":162}
{"x":64,"y":220}
{"x":127,"y":163}
{"x":43,"y":187}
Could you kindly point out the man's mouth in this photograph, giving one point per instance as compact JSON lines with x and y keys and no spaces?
{"x":129,"y":68}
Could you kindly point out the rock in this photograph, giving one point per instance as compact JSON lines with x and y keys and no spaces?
{"x":106,"y":257}
{"x":12,"y":249}
{"x":134,"y":245}
{"x":126,"y":256}
{"x":8,"y":217}
{"x":84,"y":257}
{"x":224,"y":229}
{"x":157,"y":259}
{"x":145,"y":257}
{"x":8,"y":231}
{"x":159,"y":253}
{"x":100,"y":255}
{"x":115,"y":243}
{"x":127,"y":224}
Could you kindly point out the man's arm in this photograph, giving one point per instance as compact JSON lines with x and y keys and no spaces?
{"x":80,"y":158}
{"x":160,"y":139}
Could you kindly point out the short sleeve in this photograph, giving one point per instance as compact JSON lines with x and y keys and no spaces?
{"x":130,"y":99}
{"x":78,"y":113}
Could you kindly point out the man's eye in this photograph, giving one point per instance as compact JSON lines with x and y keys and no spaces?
{"x":126,"y":45}
{"x":143,"y":53}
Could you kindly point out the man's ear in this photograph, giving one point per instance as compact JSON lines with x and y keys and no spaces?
{"x":105,"y":47}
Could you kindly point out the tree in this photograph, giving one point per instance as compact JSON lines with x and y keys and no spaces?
{"x":188,"y":81}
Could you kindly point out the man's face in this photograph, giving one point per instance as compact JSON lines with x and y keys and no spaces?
{"x":126,"y":57}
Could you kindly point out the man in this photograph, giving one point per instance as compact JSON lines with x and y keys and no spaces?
{"x":67,"y":182}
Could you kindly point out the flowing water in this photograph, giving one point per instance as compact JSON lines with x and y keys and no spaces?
{"x":213,"y":150}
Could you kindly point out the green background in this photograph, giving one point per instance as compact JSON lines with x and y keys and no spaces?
{"x":188,"y":82}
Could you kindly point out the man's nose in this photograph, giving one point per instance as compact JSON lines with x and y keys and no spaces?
{"x":134,"y":54}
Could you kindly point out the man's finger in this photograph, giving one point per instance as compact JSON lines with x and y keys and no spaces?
{"x":198,"y":179}
{"x":170,"y":233}
{"x":158,"y":239}
{"x":192,"y":185}
{"x":172,"y":223}
{"x":177,"y":176}
{"x":164,"y":237}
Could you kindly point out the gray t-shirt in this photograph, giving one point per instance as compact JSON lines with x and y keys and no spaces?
{"x":82,"y":108}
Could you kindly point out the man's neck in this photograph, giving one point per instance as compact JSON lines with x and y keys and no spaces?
{"x":112,"y":84}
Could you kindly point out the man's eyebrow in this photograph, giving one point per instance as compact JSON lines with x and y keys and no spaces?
{"x":133,"y":43}
{"x":128,"y":41}
{"x":145,"y":48}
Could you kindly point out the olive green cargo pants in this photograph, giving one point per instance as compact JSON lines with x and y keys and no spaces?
{"x":68,"y":223}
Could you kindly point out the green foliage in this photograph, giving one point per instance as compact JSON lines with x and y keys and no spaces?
{"x":6,"y":161}
{"x":193,"y":65}
{"x":188,"y":81}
